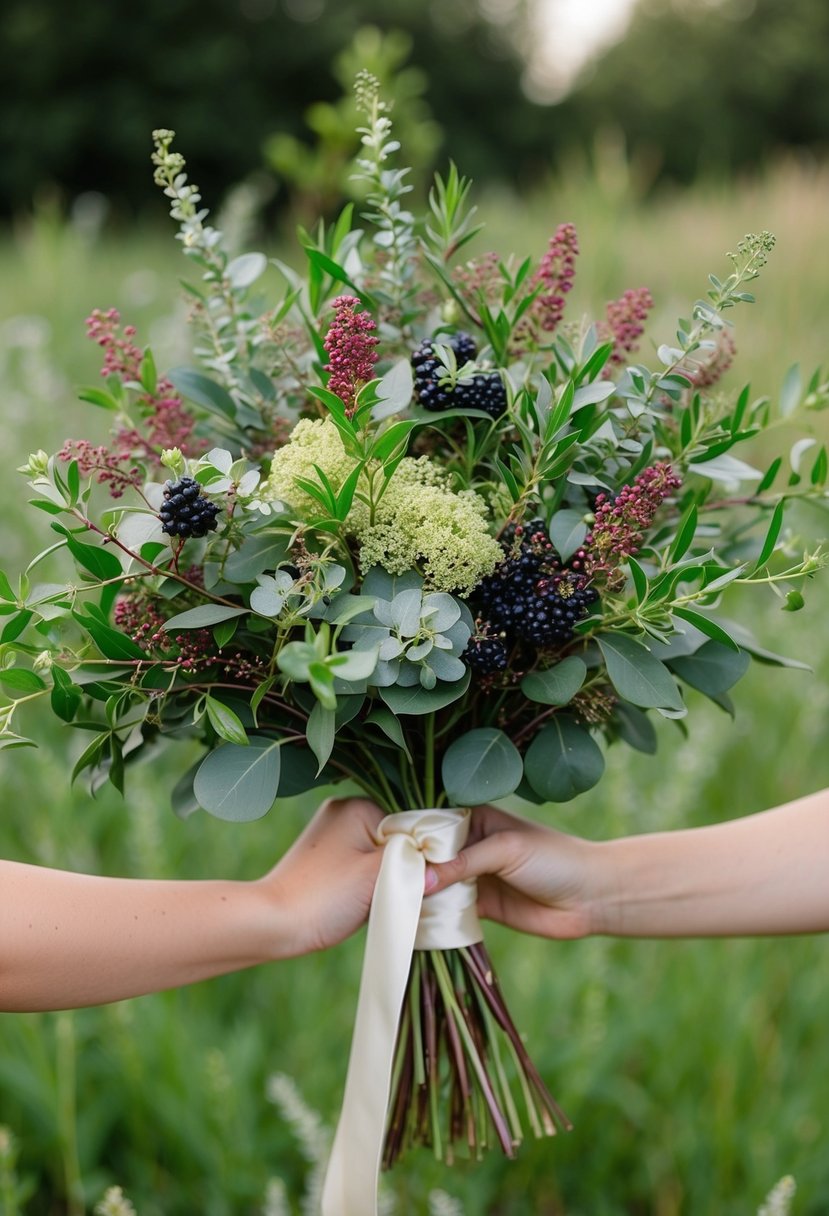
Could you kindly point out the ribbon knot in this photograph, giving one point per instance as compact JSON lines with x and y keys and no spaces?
{"x":400,"y":921}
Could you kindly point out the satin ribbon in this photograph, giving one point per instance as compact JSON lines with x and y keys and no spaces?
{"x":401,"y":921}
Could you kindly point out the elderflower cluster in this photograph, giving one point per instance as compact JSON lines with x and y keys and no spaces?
{"x":313,"y":442}
{"x":420,"y":523}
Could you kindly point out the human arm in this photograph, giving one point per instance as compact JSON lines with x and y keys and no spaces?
{"x":68,"y":940}
{"x":763,"y":874}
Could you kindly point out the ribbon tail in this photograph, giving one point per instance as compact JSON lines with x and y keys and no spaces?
{"x":351,"y":1181}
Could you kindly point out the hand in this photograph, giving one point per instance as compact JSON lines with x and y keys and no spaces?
{"x":529,"y":877}
{"x":324,"y":883}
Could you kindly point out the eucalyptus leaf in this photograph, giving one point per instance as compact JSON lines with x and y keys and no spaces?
{"x":225,"y":722}
{"x":416,"y":700}
{"x":480,"y":766}
{"x":556,"y":685}
{"x":320,"y":733}
{"x":563,"y":760}
{"x":239,"y":783}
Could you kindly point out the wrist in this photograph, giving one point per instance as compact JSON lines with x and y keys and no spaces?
{"x":602,"y":889}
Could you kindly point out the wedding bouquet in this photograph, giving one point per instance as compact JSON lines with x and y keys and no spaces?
{"x":414,"y":528}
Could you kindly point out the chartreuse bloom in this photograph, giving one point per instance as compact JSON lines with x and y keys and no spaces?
{"x":420,"y":522}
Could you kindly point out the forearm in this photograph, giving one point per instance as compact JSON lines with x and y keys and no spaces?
{"x":765,"y":874}
{"x":68,"y":940}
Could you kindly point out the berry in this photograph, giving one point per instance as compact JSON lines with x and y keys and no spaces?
{"x":186,"y":511}
{"x":484,"y":391}
{"x":533,"y":596}
{"x":487,"y":654}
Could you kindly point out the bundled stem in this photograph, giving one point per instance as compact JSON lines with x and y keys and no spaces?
{"x":450,"y":1083}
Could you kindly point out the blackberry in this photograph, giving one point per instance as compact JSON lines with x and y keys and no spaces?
{"x":186,"y":512}
{"x":485,"y":391}
{"x":533,"y":596}
{"x":487,"y":654}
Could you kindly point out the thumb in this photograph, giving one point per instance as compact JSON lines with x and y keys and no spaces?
{"x":485,"y":857}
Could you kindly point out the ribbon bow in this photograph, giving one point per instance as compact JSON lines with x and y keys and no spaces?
{"x":401,"y":921}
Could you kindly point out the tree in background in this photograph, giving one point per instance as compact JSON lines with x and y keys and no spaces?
{"x":84,"y":84}
{"x":317,"y":176}
{"x":711,"y":85}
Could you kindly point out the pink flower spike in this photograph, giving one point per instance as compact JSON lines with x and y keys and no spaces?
{"x":350,"y":343}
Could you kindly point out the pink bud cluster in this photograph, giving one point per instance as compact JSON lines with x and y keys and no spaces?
{"x":169,"y":425}
{"x":556,"y":273}
{"x":140,"y":619}
{"x":350,"y":343}
{"x":621,"y":522}
{"x":115,"y":469}
{"x":625,"y":322}
{"x":481,"y":278}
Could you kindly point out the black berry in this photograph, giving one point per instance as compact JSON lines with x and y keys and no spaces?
{"x":186,"y":512}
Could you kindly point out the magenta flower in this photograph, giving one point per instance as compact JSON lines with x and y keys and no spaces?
{"x":625,"y":322}
{"x":350,"y":343}
{"x":556,"y":273}
{"x":621,"y":522}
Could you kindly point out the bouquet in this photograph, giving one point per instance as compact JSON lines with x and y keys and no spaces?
{"x":414,"y":528}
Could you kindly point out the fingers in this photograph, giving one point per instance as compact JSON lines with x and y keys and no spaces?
{"x":492,"y":855}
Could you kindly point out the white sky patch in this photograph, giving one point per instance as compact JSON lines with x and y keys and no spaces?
{"x":568,"y":34}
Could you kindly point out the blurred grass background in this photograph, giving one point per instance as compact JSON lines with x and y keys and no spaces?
{"x":695,"y":1073}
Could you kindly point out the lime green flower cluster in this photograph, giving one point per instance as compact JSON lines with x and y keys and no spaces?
{"x":420,"y":523}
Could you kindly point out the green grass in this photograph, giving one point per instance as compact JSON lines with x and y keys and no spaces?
{"x":694,"y":1072}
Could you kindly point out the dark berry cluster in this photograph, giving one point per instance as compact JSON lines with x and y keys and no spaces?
{"x":482,"y":391}
{"x":186,"y":511}
{"x":533,"y":596}
{"x":486,"y":654}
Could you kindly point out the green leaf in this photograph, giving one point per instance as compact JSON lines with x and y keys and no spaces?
{"x":245,"y":269}
{"x":183,"y":800}
{"x":416,"y":700}
{"x":91,"y":754}
{"x":20,"y":679}
{"x":225,"y":722}
{"x":111,"y":643}
{"x":224,"y":631}
{"x":791,"y":390}
{"x":637,"y":675}
{"x":771,"y":536}
{"x":203,"y":617}
{"x":97,"y":396}
{"x":390,"y":726}
{"x":705,"y":625}
{"x":567,"y":532}
{"x":480,"y":766}
{"x":65,"y":696}
{"x":563,"y":760}
{"x":320,"y":733}
{"x":635,"y":728}
{"x":94,"y":558}
{"x":685,"y":534}
{"x":6,"y":592}
{"x":257,"y":554}
{"x":239,"y":783}
{"x":639,"y":579}
{"x":15,"y":626}
{"x":197,"y":387}
{"x":557,"y":685}
{"x":712,"y":669}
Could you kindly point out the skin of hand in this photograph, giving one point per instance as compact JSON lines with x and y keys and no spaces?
{"x":763,"y":874}
{"x":529,"y":877}
{"x":68,"y":940}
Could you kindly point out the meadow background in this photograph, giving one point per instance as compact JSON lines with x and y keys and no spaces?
{"x":694,"y":1072}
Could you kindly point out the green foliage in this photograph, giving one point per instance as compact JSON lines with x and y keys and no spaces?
{"x":710,"y":88}
{"x":703,"y":1059}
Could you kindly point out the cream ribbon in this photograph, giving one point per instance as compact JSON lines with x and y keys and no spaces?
{"x":400,"y":921}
